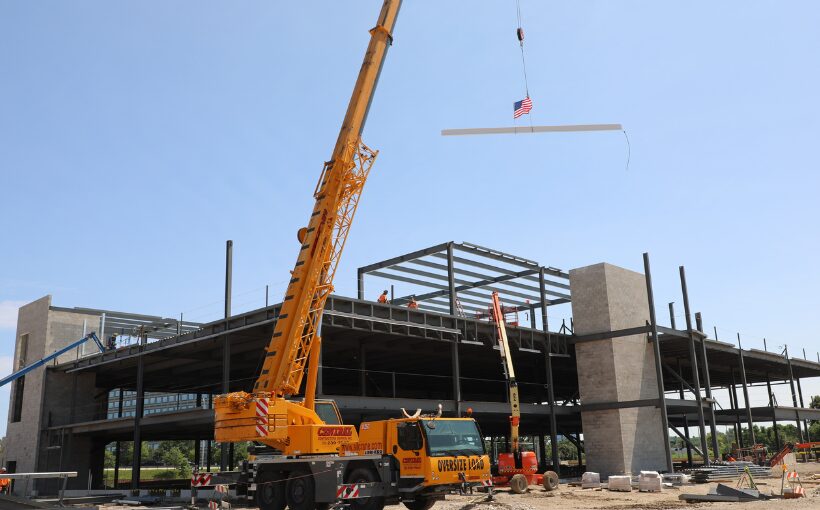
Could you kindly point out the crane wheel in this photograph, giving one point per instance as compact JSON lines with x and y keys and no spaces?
{"x":420,"y":503}
{"x":364,"y":475}
{"x":270,"y":491}
{"x":300,"y":490}
{"x":550,"y":482}
{"x":519,"y":484}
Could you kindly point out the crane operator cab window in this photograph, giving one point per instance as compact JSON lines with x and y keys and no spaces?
{"x":327,"y":412}
{"x":408,"y":435}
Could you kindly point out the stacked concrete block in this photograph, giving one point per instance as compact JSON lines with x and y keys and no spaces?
{"x":650,"y":481}
{"x":590,"y":480}
{"x":616,"y":376}
{"x":620,"y":483}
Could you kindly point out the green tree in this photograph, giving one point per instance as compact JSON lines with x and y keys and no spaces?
{"x":109,"y":458}
{"x":567,"y":450}
{"x":163,"y":447}
{"x":177,"y":458}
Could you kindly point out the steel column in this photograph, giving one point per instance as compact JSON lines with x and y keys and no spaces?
{"x":362,"y":369}
{"x":672,"y":316}
{"x":746,"y":393}
{"x":360,"y":283}
{"x":774,"y":414}
{"x":694,"y":361}
{"x":451,"y":284}
{"x":140,"y":408}
{"x":226,"y":347}
{"x":800,"y":394}
{"x":118,"y":447}
{"x":707,"y":381}
{"x":685,"y":421}
{"x":794,"y":394}
{"x":656,"y":348}
{"x":741,"y":442}
{"x":555,"y":456}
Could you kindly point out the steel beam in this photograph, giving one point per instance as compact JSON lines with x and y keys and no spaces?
{"x":531,"y":129}
{"x":403,"y":258}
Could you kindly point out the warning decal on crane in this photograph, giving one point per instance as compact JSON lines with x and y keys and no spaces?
{"x":262,"y":416}
{"x":200,"y":480}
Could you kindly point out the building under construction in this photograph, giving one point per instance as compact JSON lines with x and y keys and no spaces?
{"x":612,"y":380}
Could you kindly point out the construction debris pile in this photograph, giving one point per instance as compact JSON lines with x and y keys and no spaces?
{"x":727,"y":471}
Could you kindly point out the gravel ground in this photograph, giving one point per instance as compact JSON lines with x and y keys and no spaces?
{"x":575,"y":498}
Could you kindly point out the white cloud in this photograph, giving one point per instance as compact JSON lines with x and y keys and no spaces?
{"x":8,"y":313}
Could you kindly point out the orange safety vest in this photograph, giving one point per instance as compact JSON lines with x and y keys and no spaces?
{"x":4,"y":482}
{"x":383,"y":298}
{"x":412,"y":304}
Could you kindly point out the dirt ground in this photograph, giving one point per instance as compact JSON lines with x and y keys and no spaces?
{"x":575,"y":498}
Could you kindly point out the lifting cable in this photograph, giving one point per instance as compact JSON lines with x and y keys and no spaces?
{"x":519,"y":32}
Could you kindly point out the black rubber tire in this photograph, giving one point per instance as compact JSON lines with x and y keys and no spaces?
{"x":420,"y":503}
{"x":550,"y":481}
{"x":519,"y":484}
{"x":300,"y":491}
{"x":364,"y":475}
{"x":270,"y":492}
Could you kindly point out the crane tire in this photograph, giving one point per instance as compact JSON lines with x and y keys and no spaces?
{"x":364,"y":475}
{"x":550,"y":481}
{"x":420,"y":503}
{"x":270,"y":491}
{"x":300,"y":490}
{"x":519,"y":484}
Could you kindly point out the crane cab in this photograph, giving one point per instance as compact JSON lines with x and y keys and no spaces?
{"x":430,"y":451}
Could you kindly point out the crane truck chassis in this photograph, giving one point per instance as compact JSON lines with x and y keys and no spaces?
{"x":415,"y":460}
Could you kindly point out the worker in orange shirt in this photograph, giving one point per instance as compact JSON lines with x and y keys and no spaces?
{"x":383,"y":298}
{"x":5,"y":483}
{"x":412,"y":303}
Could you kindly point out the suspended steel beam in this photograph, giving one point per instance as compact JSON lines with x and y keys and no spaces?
{"x":532,"y":129}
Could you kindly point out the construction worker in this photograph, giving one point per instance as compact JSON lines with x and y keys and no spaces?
{"x":5,"y":483}
{"x":383,"y":298}
{"x":412,"y":303}
{"x":112,"y":342}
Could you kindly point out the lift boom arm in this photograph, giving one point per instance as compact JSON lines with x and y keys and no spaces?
{"x":337,"y":194}
{"x":509,"y":370}
{"x":23,"y":371}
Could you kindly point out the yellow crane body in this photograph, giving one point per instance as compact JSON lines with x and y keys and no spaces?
{"x":294,"y":426}
{"x":417,"y":459}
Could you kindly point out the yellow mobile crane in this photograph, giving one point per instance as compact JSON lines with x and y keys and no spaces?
{"x":314,"y":460}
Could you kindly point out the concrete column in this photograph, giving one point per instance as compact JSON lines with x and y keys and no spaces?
{"x":616,"y":377}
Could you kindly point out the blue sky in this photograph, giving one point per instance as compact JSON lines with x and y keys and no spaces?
{"x":136,"y":137}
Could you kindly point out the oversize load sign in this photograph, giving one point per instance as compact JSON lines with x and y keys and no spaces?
{"x":471,"y":464}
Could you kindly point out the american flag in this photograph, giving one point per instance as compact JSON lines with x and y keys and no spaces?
{"x":522,"y":107}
